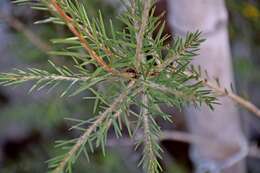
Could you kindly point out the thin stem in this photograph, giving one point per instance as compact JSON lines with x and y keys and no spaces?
{"x":32,"y":37}
{"x":84,"y":43}
{"x":140,"y":35}
{"x":133,"y":12}
{"x":147,"y":136}
{"x":82,"y":139}
{"x":222,"y":91}
{"x":151,"y":164}
{"x":51,"y":77}
{"x":168,"y":90}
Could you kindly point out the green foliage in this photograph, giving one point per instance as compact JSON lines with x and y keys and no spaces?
{"x":159,"y":78}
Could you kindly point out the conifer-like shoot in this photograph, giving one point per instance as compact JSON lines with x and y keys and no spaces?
{"x":136,"y":66}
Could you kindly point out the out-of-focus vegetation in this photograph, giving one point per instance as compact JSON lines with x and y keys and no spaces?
{"x":245,"y":29}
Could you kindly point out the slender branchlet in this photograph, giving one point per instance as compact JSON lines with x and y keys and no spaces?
{"x":141,"y":27}
{"x":83,"y":138}
{"x":151,"y":147}
{"x":70,"y":23}
{"x":237,"y":99}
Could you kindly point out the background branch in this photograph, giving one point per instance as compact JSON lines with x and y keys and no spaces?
{"x":31,"y":36}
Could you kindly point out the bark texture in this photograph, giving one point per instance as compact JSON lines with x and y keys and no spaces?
{"x":222,"y":125}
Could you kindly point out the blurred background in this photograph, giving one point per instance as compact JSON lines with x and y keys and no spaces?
{"x":31,"y":123}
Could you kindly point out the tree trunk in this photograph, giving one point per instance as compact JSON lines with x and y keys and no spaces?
{"x":223,"y":124}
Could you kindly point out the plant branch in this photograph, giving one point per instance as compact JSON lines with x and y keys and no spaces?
{"x":92,"y":128}
{"x":151,"y":150}
{"x":84,"y":43}
{"x":146,"y":123}
{"x":237,"y":99}
{"x":51,"y":77}
{"x":140,"y":35}
{"x":20,"y":27}
{"x":168,"y":90}
{"x":244,"y":103}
